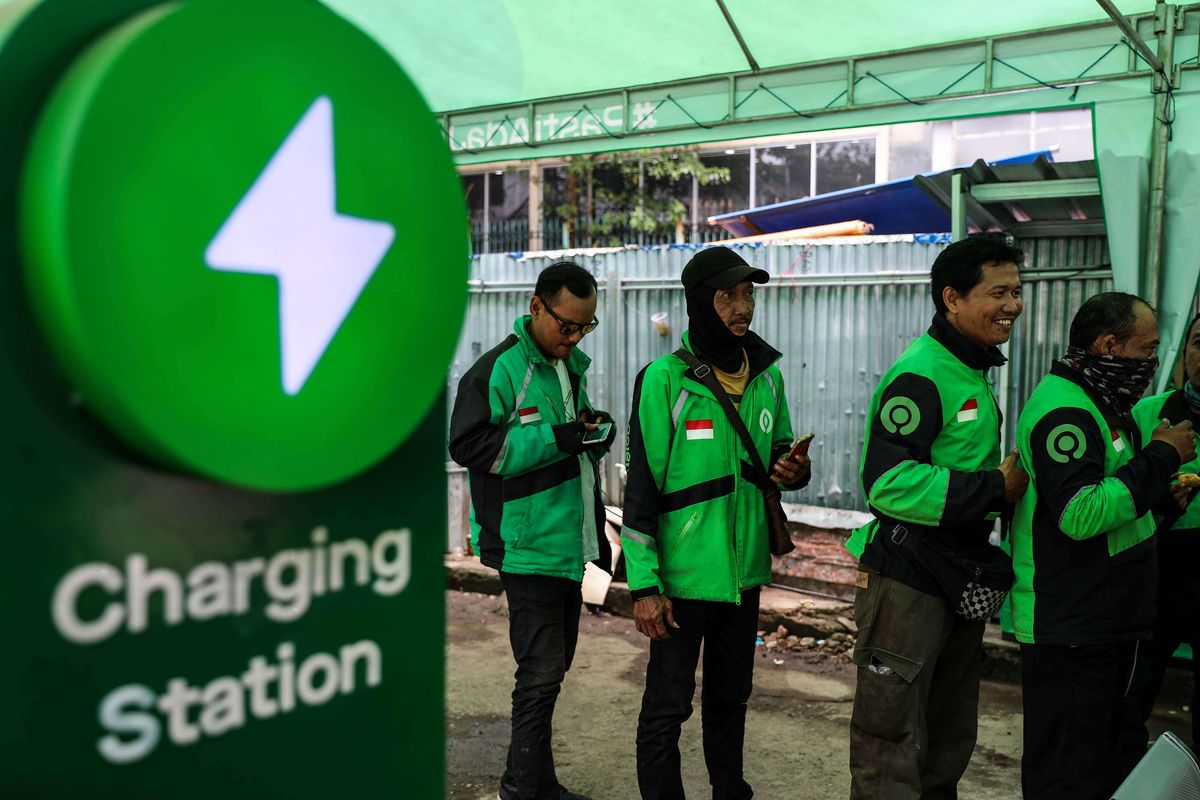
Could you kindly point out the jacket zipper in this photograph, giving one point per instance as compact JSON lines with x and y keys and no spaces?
{"x":737,"y":474}
{"x":553,"y":405}
{"x":687,"y":526}
{"x":562,"y":418}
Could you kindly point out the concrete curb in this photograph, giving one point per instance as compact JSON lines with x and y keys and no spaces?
{"x":800,"y":614}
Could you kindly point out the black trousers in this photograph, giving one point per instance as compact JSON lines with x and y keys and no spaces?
{"x":1178,"y":622}
{"x":728,"y":631}
{"x":1148,"y":673}
{"x":543,"y":627}
{"x":1074,"y":706}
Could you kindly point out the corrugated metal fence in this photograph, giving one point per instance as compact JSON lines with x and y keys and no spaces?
{"x":840,"y":311}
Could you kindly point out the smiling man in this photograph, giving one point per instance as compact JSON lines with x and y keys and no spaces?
{"x":1084,"y":559}
{"x":935,"y":483}
{"x":519,"y":426}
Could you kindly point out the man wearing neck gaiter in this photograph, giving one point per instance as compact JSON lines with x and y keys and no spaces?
{"x":1083,"y":596}
{"x":695,"y":531}
{"x":1177,"y":617}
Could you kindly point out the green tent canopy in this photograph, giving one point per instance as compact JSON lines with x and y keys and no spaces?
{"x":515,"y":79}
{"x":471,"y":53}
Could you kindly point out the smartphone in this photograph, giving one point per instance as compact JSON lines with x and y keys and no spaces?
{"x":599,"y":435}
{"x":800,"y":448}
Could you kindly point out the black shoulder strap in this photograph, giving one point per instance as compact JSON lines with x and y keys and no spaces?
{"x":702,"y":373}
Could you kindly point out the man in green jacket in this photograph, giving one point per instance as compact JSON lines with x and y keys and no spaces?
{"x":530,"y":440}
{"x":935,"y":483}
{"x":1083,"y":596}
{"x":694,"y":534}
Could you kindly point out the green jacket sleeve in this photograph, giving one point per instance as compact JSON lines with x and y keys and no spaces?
{"x":1147,"y":414}
{"x":647,"y":451}
{"x":479,"y":434}
{"x":1066,"y":450}
{"x":898,"y":477}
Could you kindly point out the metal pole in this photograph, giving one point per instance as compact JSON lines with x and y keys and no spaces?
{"x":614,"y":328}
{"x":754,"y":177}
{"x":536,"y":239}
{"x":695,"y":210}
{"x":958,"y":208}
{"x":487,"y":212}
{"x":1164,"y":23}
{"x":737,"y":34}
{"x":1135,"y":38}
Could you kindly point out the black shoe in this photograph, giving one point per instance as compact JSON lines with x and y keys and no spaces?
{"x":508,"y":788}
{"x":563,"y":794}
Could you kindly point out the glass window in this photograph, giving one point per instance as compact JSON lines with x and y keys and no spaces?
{"x":992,"y":148}
{"x":720,"y":198}
{"x":473,"y":190}
{"x":554,"y":194}
{"x":783,"y":173}
{"x":841,"y":165}
{"x":1067,"y":133}
{"x":997,"y":123}
{"x":508,"y":195}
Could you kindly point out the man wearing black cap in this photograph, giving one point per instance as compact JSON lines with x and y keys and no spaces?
{"x":695,"y":531}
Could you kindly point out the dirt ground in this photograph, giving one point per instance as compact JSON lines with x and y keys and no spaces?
{"x":797,"y":730}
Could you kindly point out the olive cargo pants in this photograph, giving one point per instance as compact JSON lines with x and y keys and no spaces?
{"x":916,"y":705}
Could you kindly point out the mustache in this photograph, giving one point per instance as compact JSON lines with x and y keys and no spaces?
{"x":739,"y":318}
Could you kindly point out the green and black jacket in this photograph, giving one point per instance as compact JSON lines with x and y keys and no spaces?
{"x":527,"y":502}
{"x":1081,"y":535}
{"x":1172,"y":407}
{"x":931,"y":454}
{"x":694,"y":525}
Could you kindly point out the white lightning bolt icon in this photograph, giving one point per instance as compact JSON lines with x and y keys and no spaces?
{"x":287,"y":225}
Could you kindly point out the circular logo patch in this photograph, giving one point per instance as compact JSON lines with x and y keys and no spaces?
{"x":900,"y":416}
{"x":214,"y":224}
{"x":766,"y":421}
{"x":1065,"y":443}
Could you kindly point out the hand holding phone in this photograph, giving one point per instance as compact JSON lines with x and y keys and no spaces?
{"x":800,"y":448}
{"x":599,"y":435}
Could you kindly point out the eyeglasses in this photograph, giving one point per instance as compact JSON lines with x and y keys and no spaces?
{"x":570,"y":328}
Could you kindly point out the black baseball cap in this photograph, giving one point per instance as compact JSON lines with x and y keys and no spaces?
{"x":720,"y":268}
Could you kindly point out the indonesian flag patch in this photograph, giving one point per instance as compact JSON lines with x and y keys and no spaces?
{"x":969,"y":411}
{"x":529,"y":415}
{"x":699,"y":428}
{"x":1118,"y":444}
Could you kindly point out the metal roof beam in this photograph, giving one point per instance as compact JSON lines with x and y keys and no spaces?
{"x":650,"y":114}
{"x":1055,"y":228}
{"x":737,"y":34}
{"x":1035,"y":190}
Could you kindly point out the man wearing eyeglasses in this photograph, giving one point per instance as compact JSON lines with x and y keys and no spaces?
{"x":695,"y":529}
{"x":530,"y":440}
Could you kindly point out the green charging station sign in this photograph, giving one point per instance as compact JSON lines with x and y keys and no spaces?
{"x":227,"y":303}
{"x":227,"y":213}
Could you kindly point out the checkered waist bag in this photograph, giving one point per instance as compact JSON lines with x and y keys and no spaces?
{"x":974,"y":584}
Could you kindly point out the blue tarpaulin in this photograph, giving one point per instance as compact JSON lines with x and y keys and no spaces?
{"x":898,"y":206}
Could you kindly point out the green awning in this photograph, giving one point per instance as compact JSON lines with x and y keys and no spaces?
{"x":467,"y":53}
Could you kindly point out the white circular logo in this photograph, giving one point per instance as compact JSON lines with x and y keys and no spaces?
{"x":765,"y":420}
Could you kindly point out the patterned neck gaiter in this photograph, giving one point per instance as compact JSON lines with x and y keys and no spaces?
{"x":1120,"y":381}
{"x":1191,"y":393}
